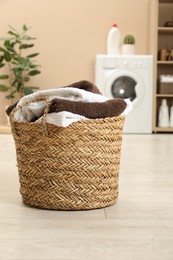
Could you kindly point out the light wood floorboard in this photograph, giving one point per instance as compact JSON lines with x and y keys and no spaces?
{"x":139,"y":226}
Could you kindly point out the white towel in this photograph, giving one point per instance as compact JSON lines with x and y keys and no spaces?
{"x":129,"y":107}
{"x":166,"y":78}
{"x":62,"y":119}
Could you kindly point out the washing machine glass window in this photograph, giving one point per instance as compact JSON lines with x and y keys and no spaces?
{"x":125,"y":84}
{"x":124,"y":87}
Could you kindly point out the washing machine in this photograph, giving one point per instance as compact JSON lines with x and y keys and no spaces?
{"x":130,"y":76}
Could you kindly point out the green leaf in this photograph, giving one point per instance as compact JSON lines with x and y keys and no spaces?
{"x":6,"y":39}
{"x":32,"y":55}
{"x":7,"y":43}
{"x":2,"y":65}
{"x":2,"y":49}
{"x":27,"y":90}
{"x":5,"y":76}
{"x":14,"y":82}
{"x":1,"y":58}
{"x":25,"y":46}
{"x":7,"y":56}
{"x":17,"y":57}
{"x":3,"y":88}
{"x":10,"y":96}
{"x":26,"y":79}
{"x":34,"y":72}
{"x":19,"y":85}
{"x":25,"y":28}
{"x":34,"y":65}
{"x":9,"y":48}
{"x":12,"y":33}
{"x":27,"y":37}
{"x":17,"y":74}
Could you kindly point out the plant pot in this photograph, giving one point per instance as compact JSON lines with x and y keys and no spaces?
{"x":128,"y":49}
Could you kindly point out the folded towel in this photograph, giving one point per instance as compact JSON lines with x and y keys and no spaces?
{"x":70,"y":104}
{"x":166,"y":78}
{"x":92,"y":110}
{"x":83,"y":84}
{"x":32,"y":110}
{"x":86,"y":85}
{"x":62,"y":119}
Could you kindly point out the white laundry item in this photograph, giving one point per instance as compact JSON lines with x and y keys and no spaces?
{"x":34,"y":110}
{"x":128,"y":108}
{"x":74,"y":94}
{"x":166,"y":78}
{"x":31,"y":111}
{"x":62,"y":119}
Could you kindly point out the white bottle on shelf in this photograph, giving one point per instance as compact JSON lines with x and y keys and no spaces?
{"x":171,"y":116}
{"x":114,"y":41}
{"x":163,"y":114}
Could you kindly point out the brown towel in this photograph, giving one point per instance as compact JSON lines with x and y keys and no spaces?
{"x":92,"y":110}
{"x":10,"y":108}
{"x":83,"y":84}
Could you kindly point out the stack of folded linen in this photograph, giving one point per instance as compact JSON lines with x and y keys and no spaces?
{"x":68,"y":104}
{"x":166,"y":78}
{"x":166,"y":84}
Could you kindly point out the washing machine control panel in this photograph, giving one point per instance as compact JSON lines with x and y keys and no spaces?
{"x":122,"y":61}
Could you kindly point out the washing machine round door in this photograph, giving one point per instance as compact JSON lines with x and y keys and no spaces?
{"x":125,"y":84}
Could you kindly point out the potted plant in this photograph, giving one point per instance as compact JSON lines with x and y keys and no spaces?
{"x":128,"y":47}
{"x":17,"y":67}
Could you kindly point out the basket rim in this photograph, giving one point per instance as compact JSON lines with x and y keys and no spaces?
{"x":87,"y":121}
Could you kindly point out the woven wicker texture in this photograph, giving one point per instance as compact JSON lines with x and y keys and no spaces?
{"x":166,"y":88}
{"x":69,"y":168}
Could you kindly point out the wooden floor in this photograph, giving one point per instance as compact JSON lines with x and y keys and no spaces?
{"x":138,"y":227}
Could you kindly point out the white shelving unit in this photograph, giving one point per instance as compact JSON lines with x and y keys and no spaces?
{"x":164,"y":41}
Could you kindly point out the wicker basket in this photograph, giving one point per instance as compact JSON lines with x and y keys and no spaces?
{"x":70,"y":168}
{"x":166,"y":88}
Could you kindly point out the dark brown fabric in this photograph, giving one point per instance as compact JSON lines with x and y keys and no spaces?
{"x":84,"y":84}
{"x":92,"y":110}
{"x":10,"y":108}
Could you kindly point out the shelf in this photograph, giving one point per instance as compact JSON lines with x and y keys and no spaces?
{"x":165,"y":30}
{"x":165,"y":1}
{"x":165,"y":62}
{"x":163,"y":41}
{"x":164,"y":95}
{"x":163,"y":129}
{"x":5,"y":129}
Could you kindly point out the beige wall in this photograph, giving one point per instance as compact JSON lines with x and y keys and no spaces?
{"x":71,"y":32}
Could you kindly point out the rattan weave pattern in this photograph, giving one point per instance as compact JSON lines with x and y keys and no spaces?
{"x":70,"y":168}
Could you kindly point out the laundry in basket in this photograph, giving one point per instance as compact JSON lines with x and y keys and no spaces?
{"x":70,"y":168}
